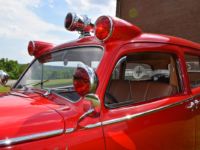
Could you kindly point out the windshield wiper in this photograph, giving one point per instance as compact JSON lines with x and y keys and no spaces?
{"x":41,"y":83}
{"x":25,"y":88}
{"x":35,"y":84}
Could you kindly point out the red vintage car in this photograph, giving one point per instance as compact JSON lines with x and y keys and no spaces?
{"x":114,"y":88}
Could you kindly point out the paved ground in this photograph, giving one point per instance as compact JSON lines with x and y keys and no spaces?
{"x":11,"y":82}
{"x":4,"y":89}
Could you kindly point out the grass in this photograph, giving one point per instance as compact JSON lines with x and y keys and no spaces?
{"x":58,"y":83}
{"x":4,"y":89}
{"x":53,"y":83}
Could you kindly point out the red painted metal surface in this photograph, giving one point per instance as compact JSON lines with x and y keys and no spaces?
{"x":172,"y":128}
{"x":24,"y":115}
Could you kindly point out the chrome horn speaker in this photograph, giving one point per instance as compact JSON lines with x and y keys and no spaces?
{"x":82,"y":24}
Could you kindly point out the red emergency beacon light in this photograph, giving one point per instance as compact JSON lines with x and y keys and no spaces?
{"x":36,"y":48}
{"x":103,"y":28}
{"x":108,"y":28}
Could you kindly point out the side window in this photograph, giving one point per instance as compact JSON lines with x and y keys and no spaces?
{"x":193,"y":69}
{"x":142,"y":77}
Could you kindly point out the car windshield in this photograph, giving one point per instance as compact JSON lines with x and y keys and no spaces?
{"x":55,"y":70}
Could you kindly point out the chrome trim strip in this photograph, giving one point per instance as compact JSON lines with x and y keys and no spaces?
{"x":129,"y":117}
{"x":36,"y":136}
{"x":69,"y":130}
{"x":90,"y":126}
{"x":98,"y":124}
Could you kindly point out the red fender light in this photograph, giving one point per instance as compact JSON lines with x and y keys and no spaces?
{"x":103,"y":28}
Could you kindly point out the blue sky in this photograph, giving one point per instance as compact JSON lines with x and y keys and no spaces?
{"x":25,"y":20}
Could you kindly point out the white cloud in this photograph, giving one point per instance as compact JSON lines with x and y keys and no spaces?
{"x":92,"y":8}
{"x":19,"y":24}
{"x":18,"y":21}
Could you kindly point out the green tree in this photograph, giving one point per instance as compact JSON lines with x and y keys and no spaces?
{"x":12,"y":67}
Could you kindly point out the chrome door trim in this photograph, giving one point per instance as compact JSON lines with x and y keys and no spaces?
{"x":31,"y":137}
{"x":89,"y":126}
{"x":133,"y":116}
{"x":69,"y":130}
{"x":129,"y":117}
{"x":98,"y":124}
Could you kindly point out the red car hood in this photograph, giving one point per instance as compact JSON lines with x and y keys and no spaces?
{"x":22,"y":115}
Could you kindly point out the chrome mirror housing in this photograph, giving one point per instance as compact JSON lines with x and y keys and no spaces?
{"x":94,"y":108}
{"x":3,"y":77}
{"x":94,"y":99}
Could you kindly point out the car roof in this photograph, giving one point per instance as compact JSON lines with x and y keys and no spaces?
{"x":144,"y":38}
{"x":159,"y":38}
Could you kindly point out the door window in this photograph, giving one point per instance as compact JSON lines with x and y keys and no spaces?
{"x":143,"y":77}
{"x":193,"y":69}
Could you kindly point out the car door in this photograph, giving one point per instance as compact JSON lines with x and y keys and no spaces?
{"x":139,"y":113}
{"x":192,"y":59}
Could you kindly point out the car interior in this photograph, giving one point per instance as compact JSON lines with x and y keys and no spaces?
{"x":142,"y":77}
{"x":193,"y":69}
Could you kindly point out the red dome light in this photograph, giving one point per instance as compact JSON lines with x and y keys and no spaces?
{"x":103,"y":28}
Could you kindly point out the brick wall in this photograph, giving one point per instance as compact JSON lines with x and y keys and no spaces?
{"x":173,"y":17}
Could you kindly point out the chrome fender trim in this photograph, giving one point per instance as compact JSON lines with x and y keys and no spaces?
{"x":31,"y":137}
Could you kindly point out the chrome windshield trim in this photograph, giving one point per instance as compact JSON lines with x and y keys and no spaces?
{"x":31,"y":137}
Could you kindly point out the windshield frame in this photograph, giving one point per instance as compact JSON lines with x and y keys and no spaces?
{"x":55,"y":51}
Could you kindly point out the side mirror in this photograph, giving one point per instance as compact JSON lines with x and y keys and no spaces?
{"x":85,"y":83}
{"x":3,"y":78}
{"x":84,"y":80}
{"x":93,"y":108}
